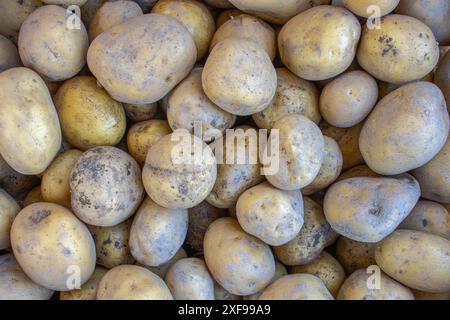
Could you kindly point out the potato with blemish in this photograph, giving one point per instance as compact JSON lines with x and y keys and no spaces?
{"x":33,"y":196}
{"x":226,"y":15}
{"x":272,"y":215}
{"x":417,"y":259}
{"x":223,"y":4}
{"x":314,"y":236}
{"x":87,"y":291}
{"x":239,"y":262}
{"x":140,"y":112}
{"x":162,"y":269}
{"x":354,"y":255}
{"x":105,"y":186}
{"x":129,"y":282}
{"x":8,"y":211}
{"x":189,"y":279}
{"x":366,"y":8}
{"x":48,"y":241}
{"x":293,"y":96}
{"x":9,"y":56}
{"x":13,"y":13}
{"x":442,"y":77}
{"x":280,"y":271}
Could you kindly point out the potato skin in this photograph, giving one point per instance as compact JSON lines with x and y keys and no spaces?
{"x":280,"y":271}
{"x":417,"y":259}
{"x":99,"y":175}
{"x":442,"y":77}
{"x":33,"y":196}
{"x":31,"y":147}
{"x":404,"y":132}
{"x":9,"y":56}
{"x":8,"y":211}
{"x":162,"y":269}
{"x":165,"y":45}
{"x":361,"y":7}
{"x":129,"y":282}
{"x":226,"y":15}
{"x":320,"y":29}
{"x":239,"y":77}
{"x":88,"y":291}
{"x":141,"y":112}
{"x":354,"y":255}
{"x":13,"y":13}
{"x":239,"y":262}
{"x":15,"y":284}
{"x":47,"y":236}
{"x":369,"y":209}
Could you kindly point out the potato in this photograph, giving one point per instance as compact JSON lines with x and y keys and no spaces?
{"x":301,"y":148}
{"x":365,"y":8}
{"x":111,"y":244}
{"x":9,"y":56}
{"x":200,"y":217}
{"x":52,"y":246}
{"x":272,"y":215}
{"x":195,"y":16}
{"x":105,"y":186}
{"x":140,"y":112}
{"x":358,"y":171}
{"x":157,"y":233}
{"x":280,"y":271}
{"x":356,"y":287}
{"x":13,"y":13}
{"x":33,"y":196}
{"x":315,"y":235}
{"x":175,"y":179}
{"x":354,"y":255}
{"x":442,"y":77}
{"x":422,"y":295}
{"x":239,"y":262}
{"x":417,"y":259}
{"x":162,"y":269}
{"x":319,"y":43}
{"x":15,"y":285}
{"x":402,"y":49}
{"x":88,"y":291}
{"x":8,"y":211}
{"x":189,"y":279}
{"x":293,"y":96}
{"x":330,"y":169}
{"x":128,"y":282}
{"x":369,"y":209}
{"x":15,"y":183}
{"x":222,"y":294}
{"x":219,"y":3}
{"x":300,"y":286}
{"x":55,"y":186}
{"x":247,"y":27}
{"x":189,"y":108}
{"x":239,"y":77}
{"x":326,"y":268}
{"x":111,"y":14}
{"x":226,"y":15}
{"x":30,"y":140}
{"x":89,"y":9}
{"x":156,"y":52}
{"x":65,"y":2}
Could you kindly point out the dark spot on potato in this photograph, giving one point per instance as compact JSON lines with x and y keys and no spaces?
{"x":40,"y":215}
{"x":328,"y":14}
{"x":117,"y":244}
{"x":424,"y":222}
{"x":19,"y":249}
{"x":84,"y":200}
{"x":66,"y":251}
{"x":20,"y":2}
{"x":107,"y":241}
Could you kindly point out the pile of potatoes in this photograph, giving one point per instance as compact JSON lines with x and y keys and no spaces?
{"x":94,"y":206}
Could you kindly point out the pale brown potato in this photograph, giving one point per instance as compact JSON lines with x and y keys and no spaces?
{"x":141,"y":112}
{"x":162,"y":269}
{"x":13,"y":13}
{"x":9,"y":56}
{"x":280,"y":271}
{"x":52,"y":246}
{"x":366,"y":8}
{"x":33,"y":196}
{"x":354,"y":255}
{"x":129,"y":282}
{"x":87,"y":291}
{"x":8,"y":211}
{"x":442,"y":77}
{"x":226,"y":15}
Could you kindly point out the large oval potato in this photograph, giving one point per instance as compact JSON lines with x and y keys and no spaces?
{"x":88,"y":291}
{"x":30,"y":140}
{"x":366,"y":8}
{"x":8,"y":211}
{"x":13,"y":13}
{"x":9,"y":56}
{"x":354,"y":255}
{"x":156,"y":52}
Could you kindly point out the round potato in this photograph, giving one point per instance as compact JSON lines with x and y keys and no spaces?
{"x":128,"y":282}
{"x":402,"y":49}
{"x":9,"y":56}
{"x":87,"y":291}
{"x":314,"y":236}
{"x":140,"y":112}
{"x":354,"y":255}
{"x":319,"y":43}
{"x":52,"y":246}
{"x":157,"y":233}
{"x":442,"y":77}
{"x":8,"y":211}
{"x":162,"y":269}
{"x":417,"y":259}
{"x":156,"y":53}
{"x":30,"y":140}
{"x":280,"y":271}
{"x":239,"y":262}
{"x":13,"y":13}
{"x":224,"y":4}
{"x":368,"y":8}
{"x":189,"y":279}
{"x":33,"y":196}
{"x":239,"y":77}
{"x":100,"y":175}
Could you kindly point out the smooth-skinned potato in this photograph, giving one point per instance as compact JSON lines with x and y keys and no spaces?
{"x":9,"y":56}
{"x":8,"y":211}
{"x":365,"y":8}
{"x":13,"y":13}
{"x":354,"y":255}
{"x":87,"y":291}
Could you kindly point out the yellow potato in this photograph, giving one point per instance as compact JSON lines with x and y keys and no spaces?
{"x":9,"y":56}
{"x":8,"y":211}
{"x":87,"y":291}
{"x":354,"y":255}
{"x":13,"y":13}
{"x":366,"y":8}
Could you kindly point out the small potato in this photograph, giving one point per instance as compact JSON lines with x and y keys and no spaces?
{"x":326,"y":268}
{"x":319,"y":43}
{"x":13,"y":13}
{"x":224,"y":4}
{"x":88,"y":291}
{"x":48,"y":241}
{"x":55,"y":185}
{"x":280,"y":271}
{"x":401,"y":50}
{"x":162,"y":269}
{"x":272,"y":215}
{"x":9,"y":56}
{"x":140,"y":112}
{"x":189,"y":279}
{"x":226,"y":15}
{"x":128,"y":282}
{"x":369,"y":209}
{"x":157,"y":233}
{"x":293,"y":96}
{"x":315,"y":235}
{"x":8,"y":211}
{"x":89,"y":116}
{"x":180,"y":170}
{"x":100,"y":175}
{"x":356,"y":287}
{"x":239,"y":77}
{"x":15,"y":284}
{"x":365,"y":8}
{"x":33,"y":196}
{"x":442,"y":77}
{"x":189,"y":108}
{"x":354,"y":255}
{"x":195,"y":16}
{"x":302,"y":147}
{"x":13,"y":182}
{"x":143,"y":135}
{"x":417,"y":259}
{"x":250,"y":28}
{"x":300,"y":286}
{"x":239,"y":262}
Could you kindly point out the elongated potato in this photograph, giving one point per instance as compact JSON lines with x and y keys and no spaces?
{"x":8,"y":211}
{"x":87,"y":291}
{"x":354,"y":255}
